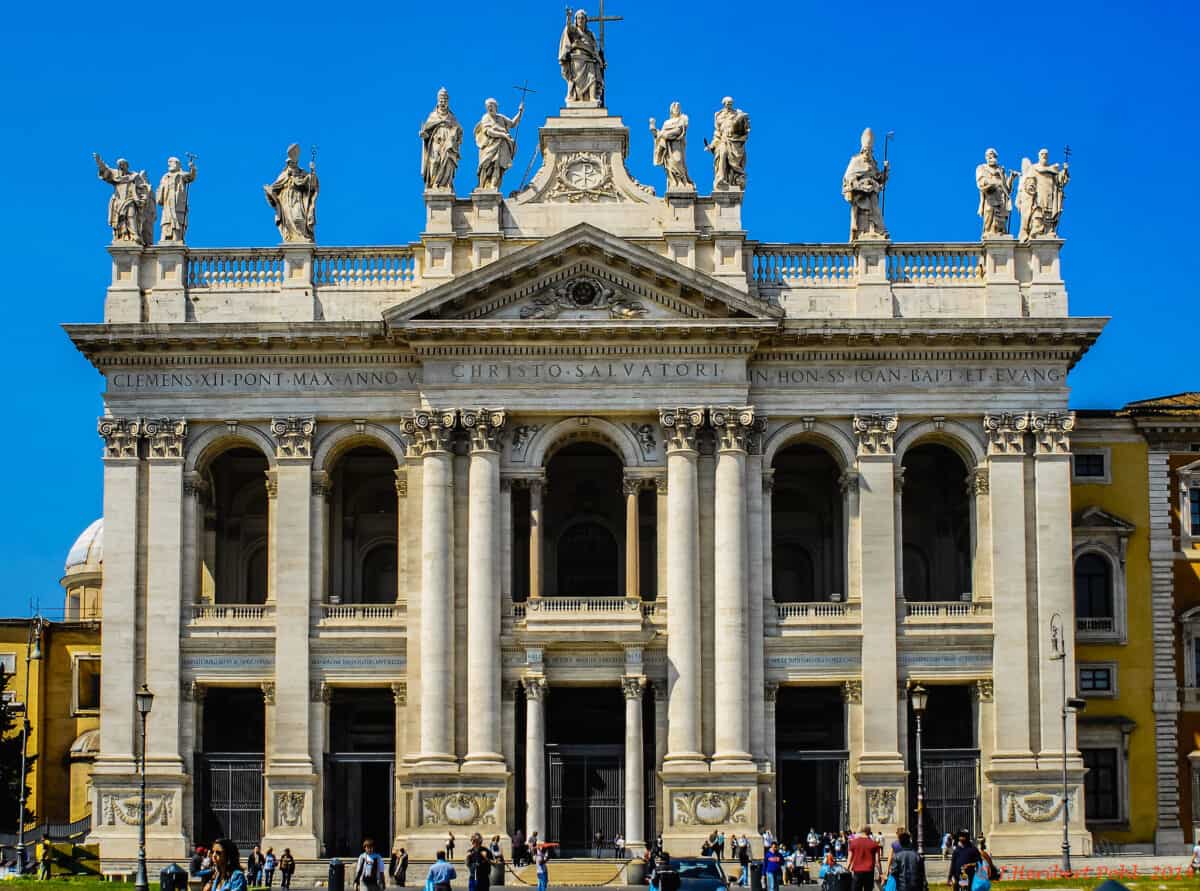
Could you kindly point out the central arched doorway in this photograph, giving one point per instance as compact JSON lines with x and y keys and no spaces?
{"x":585,"y":518}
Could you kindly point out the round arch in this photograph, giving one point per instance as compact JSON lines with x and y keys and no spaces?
{"x":572,"y":430}
{"x":217,"y":440}
{"x":344,"y":437}
{"x":955,"y":436}
{"x":819,"y":433}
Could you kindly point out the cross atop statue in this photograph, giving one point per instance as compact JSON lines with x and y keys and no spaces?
{"x":600,"y":20}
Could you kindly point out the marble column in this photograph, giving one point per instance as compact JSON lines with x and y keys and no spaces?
{"x":119,"y":679}
{"x":754,"y":613}
{"x":898,"y":503}
{"x":635,"y":770}
{"x":1055,"y":571}
{"x":433,"y":431}
{"x":537,"y":489}
{"x":683,"y":586}
{"x":978,"y":484}
{"x":633,"y":583}
{"x":483,"y":552}
{"x":731,"y":594}
{"x":165,"y":438}
{"x":506,"y":542}
{"x":1006,"y":483}
{"x":535,"y":757}
{"x":322,"y":488}
{"x":194,"y":488}
{"x":768,"y":546}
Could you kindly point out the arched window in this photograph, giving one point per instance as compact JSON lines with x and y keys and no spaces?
{"x":235,"y":529}
{"x":584,"y":517}
{"x":1094,"y":592}
{"x":936,"y":524}
{"x":807,"y":530}
{"x":362,"y":521}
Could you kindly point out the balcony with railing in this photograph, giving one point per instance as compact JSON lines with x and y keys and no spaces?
{"x":604,"y":615}
{"x":1098,"y":625}
{"x":802,"y":617}
{"x":945,"y":615}
{"x":249,"y":616}
{"x":334,"y":616}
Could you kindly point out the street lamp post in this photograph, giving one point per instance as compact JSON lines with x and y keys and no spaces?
{"x":1058,"y":653}
{"x":145,"y":702}
{"x":920,"y":698}
{"x":33,"y":653}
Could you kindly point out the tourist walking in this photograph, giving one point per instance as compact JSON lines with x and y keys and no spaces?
{"x":906,"y":868}
{"x":743,"y":856}
{"x":450,"y":846}
{"x":254,"y":866}
{"x":719,"y":847}
{"x":518,"y":848}
{"x":227,"y":867}
{"x":947,"y":845}
{"x":440,"y":873}
{"x":45,"y":855}
{"x":479,"y":865}
{"x":368,"y":870}
{"x":619,"y":846}
{"x":864,"y":862}
{"x":269,"y":864}
{"x":772,"y":867}
{"x":539,"y":862}
{"x":287,"y":866}
{"x":398,"y":868}
{"x":963,"y":862}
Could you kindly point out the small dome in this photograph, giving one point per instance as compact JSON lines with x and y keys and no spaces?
{"x":88,"y":549}
{"x":86,"y":745}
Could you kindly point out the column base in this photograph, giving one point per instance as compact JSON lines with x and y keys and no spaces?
{"x":116,"y":813}
{"x":434,"y":806}
{"x":700,"y":802}
{"x":733,"y":762}
{"x":289,"y":812}
{"x":1029,"y":803}
{"x":487,"y":763}
{"x":881,"y":797}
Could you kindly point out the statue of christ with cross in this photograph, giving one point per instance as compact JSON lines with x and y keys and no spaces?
{"x":581,"y":56}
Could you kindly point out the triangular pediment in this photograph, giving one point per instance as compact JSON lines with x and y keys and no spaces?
{"x":582,"y":274}
{"x":1094,"y":519}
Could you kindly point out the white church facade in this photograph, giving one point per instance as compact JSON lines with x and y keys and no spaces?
{"x":585,"y":512}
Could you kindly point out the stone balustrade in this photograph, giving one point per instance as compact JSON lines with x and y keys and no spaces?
{"x":392,"y":268}
{"x":362,"y":613}
{"x":815,"y":610}
{"x":1096,"y":625}
{"x":234,"y":269}
{"x":939,"y":610}
{"x":231,"y":613}
{"x":936,"y":264}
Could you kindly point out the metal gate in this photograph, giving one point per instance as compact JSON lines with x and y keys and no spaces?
{"x":229,"y":803}
{"x":951,"y":793}
{"x":587,"y":795}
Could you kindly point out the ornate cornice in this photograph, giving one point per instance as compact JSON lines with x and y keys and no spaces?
{"x":680,"y":426}
{"x":165,"y":437}
{"x":120,"y":436}
{"x":876,"y":433}
{"x":484,"y":427}
{"x":293,"y":437}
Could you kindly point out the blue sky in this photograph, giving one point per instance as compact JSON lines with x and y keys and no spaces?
{"x":235,"y":83}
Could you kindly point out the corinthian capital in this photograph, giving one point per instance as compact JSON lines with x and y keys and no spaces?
{"x":293,"y":437}
{"x":733,"y":426}
{"x":876,"y":433}
{"x":484,"y":426}
{"x":1052,"y":432}
{"x":120,"y":436}
{"x":431,"y":429}
{"x":680,"y":426}
{"x":1006,"y":433}
{"x":535,"y":688}
{"x":165,"y":436}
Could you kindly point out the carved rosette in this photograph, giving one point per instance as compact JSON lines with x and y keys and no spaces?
{"x":876,"y":434}
{"x":120,"y":436}
{"x":680,"y":426}
{"x":852,"y":692}
{"x":1052,"y":432}
{"x":458,"y":808}
{"x":293,"y":437}
{"x":1006,"y":433}
{"x":732,"y":426}
{"x":710,"y":808}
{"x":126,"y":808}
{"x":165,"y":437}
{"x":432,"y":430}
{"x":632,"y":687}
{"x":289,"y":807}
{"x":484,"y":426}
{"x":881,"y":805}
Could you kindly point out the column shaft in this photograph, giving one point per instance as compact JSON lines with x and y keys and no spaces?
{"x":1010,"y":600}
{"x":535,"y":758}
{"x":1055,"y":577}
{"x":754,"y":613}
{"x":483,"y":631}
{"x":635,"y":772}
{"x":535,"y":538}
{"x":291,"y":542}
{"x":878,"y":584}
{"x":633,"y":584}
{"x":732,"y":718}
{"x":164,"y":578}
{"x":683,"y":606}
{"x":437,"y":620}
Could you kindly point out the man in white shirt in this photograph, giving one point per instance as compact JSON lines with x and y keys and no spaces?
{"x":368,"y":870}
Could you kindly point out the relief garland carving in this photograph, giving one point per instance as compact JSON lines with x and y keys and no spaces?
{"x":522,"y":435}
{"x":1033,"y":806}
{"x":644,"y":433}
{"x":127,"y":808}
{"x":583,"y":293}
{"x":458,"y":808}
{"x":709,"y":808}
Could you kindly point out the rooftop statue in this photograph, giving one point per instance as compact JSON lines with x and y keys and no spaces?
{"x":582,"y":61}
{"x":127,"y":206}
{"x":293,"y":197}
{"x":172,"y":197}
{"x":670,"y":149}
{"x":441,"y":143}
{"x":1040,"y":196}
{"x":995,"y":194}
{"x":148,"y":209}
{"x":862,"y":185}
{"x":731,"y":129}
{"x":497,"y":148}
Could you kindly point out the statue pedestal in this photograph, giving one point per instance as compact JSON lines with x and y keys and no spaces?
{"x":1000,"y":273}
{"x":123,"y":303}
{"x":873,"y":295}
{"x":296,"y":300}
{"x":487,"y":205}
{"x":168,"y":299}
{"x":438,"y":237}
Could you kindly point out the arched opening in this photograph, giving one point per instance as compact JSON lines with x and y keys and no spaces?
{"x":936,"y":523}
{"x":362,"y":532}
{"x":808,"y":561}
{"x":235,"y":528}
{"x":1093,"y":593}
{"x":585,"y":517}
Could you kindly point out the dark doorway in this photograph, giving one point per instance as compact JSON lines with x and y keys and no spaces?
{"x":812,"y":756}
{"x":359,"y":771}
{"x":950,"y":763}
{"x":229,"y":767}
{"x":806,"y":526}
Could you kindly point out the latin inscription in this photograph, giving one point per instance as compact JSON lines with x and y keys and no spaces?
{"x":582,"y":373}
{"x":250,"y":380}
{"x":922,"y":377}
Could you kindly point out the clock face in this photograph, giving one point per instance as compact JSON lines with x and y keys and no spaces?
{"x":584,"y":173}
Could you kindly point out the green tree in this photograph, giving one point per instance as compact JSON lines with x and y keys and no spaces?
{"x":10,"y":762}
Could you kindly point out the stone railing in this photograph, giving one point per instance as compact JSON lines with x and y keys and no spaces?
{"x":234,"y":269}
{"x":596,"y":605}
{"x":935,"y":264}
{"x":361,"y":613}
{"x":799,"y":264}
{"x":371,"y":268}
{"x":1096,"y":625}
{"x":225,"y":613}
{"x":946,"y":609}
{"x":815,"y":610}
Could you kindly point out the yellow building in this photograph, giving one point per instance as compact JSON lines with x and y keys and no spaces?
{"x":63,"y":687}
{"x":1114,"y":630}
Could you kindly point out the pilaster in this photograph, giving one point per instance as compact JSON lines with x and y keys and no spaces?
{"x":123,"y":301}
{"x":167,"y":300}
{"x":873,"y":292}
{"x":297,"y":300}
{"x":437,"y":240}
